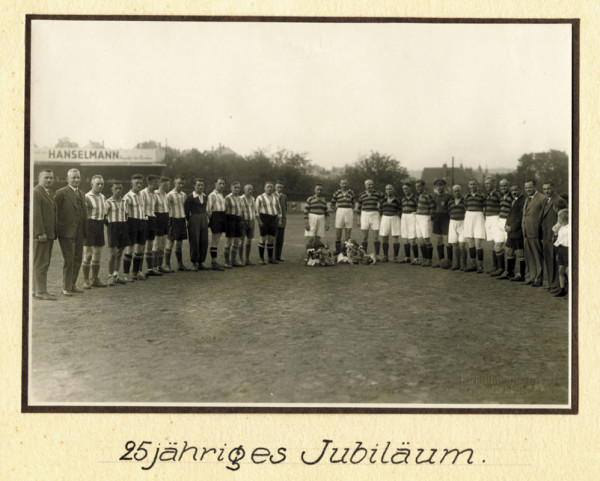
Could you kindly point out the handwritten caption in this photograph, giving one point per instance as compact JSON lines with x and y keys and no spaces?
{"x":150,"y":454}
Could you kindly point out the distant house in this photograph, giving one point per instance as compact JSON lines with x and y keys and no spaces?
{"x":221,"y":151}
{"x":461,"y":175}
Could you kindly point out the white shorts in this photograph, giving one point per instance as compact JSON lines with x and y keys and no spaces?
{"x":424,"y":226}
{"x":316,"y":226}
{"x":456,"y":231}
{"x":389,"y":223}
{"x":344,"y":218}
{"x":502,"y":225}
{"x":370,"y":220}
{"x":474,"y":225}
{"x":408,"y":226}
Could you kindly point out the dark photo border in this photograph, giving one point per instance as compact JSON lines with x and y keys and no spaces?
{"x":573,"y":200}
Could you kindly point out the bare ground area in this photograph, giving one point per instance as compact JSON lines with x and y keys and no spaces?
{"x":288,"y":333}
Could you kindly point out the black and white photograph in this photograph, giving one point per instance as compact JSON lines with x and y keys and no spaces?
{"x":284,"y":214}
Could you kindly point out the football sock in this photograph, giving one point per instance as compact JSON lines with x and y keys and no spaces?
{"x":494,"y":260}
{"x":137,"y":261}
{"x":396,"y":249}
{"x":248,"y":247}
{"x":415,"y":249}
{"x":423,"y":251}
{"x":472,"y":253}
{"x":179,"y":257}
{"x":126,"y":263}
{"x":213,"y":254}
{"x":338,"y":246}
{"x":85,"y":269}
{"x":386,"y":248}
{"x":429,"y":251}
{"x":449,"y":253}
{"x":407,"y":250}
{"x":377,"y":247}
{"x":111,"y":263}
{"x":500,"y":261}
{"x":440,"y":251}
{"x":149,"y":260}
{"x":365,"y":246}
{"x":95,"y":270}
{"x":168,"y":257}
{"x":510,"y":265}
{"x":261,"y":250}
{"x":226,"y":252}
{"x":270,"y":251}
{"x":480,"y":255}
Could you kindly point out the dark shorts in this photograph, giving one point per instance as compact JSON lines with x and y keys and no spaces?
{"x":94,"y":236}
{"x":218,"y":222}
{"x":441,"y":221}
{"x":150,"y":228}
{"x":162,"y":223}
{"x":562,"y":255}
{"x":118,"y":234}
{"x":137,"y":231}
{"x":248,"y":228}
{"x":234,"y":226}
{"x":177,"y":229}
{"x":269,"y":225}
{"x":515,"y":244}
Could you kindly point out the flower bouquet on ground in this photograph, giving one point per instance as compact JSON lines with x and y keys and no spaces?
{"x":319,"y":255}
{"x":353,"y":253}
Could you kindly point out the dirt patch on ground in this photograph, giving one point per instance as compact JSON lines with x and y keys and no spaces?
{"x":287,"y":333}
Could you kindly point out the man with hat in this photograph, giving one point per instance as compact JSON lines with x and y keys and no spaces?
{"x":441,"y":221}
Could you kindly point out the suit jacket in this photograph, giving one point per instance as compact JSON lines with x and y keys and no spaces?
{"x":550,"y":214}
{"x":71,"y":211}
{"x":283,"y":204}
{"x":515,"y":218}
{"x":44,"y":213}
{"x":532,"y":214}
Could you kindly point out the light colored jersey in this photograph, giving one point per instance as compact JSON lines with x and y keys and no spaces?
{"x":136,"y":207}
{"x":176,"y":204}
{"x":96,"y":205}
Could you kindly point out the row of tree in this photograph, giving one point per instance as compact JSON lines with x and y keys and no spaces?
{"x":299,"y":175}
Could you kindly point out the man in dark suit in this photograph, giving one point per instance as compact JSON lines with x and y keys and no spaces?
{"x":281,"y":227}
{"x":549,"y":218}
{"x":44,"y":233}
{"x":71,"y":227}
{"x":514,"y":238}
{"x":532,"y":214}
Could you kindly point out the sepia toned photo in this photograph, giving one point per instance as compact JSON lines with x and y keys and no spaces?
{"x":288,"y":214}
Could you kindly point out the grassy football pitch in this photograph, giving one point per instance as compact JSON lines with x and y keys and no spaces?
{"x":287,"y":333}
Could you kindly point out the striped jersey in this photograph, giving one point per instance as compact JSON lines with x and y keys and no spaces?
{"x":492,"y":203}
{"x":505,"y":205}
{"x":136,"y":208}
{"x":248,"y":207}
{"x":233,"y":204}
{"x":162,"y":203}
{"x":268,"y":204}
{"x":216,"y":202}
{"x":342,"y":199}
{"x":116,"y":210}
{"x":441,"y":202}
{"x":96,"y":205}
{"x":369,"y":202}
{"x":425,"y":204}
{"x":150,"y":201}
{"x":409,"y":204}
{"x":474,"y":202}
{"x":176,"y":204}
{"x":391,"y":207}
{"x":457,"y":209}
{"x":315,"y":205}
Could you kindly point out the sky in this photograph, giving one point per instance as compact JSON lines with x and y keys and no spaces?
{"x":423,"y":93}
